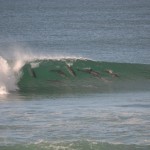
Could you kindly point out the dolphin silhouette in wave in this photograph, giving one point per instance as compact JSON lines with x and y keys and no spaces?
{"x":71,"y":71}
{"x":59,"y":72}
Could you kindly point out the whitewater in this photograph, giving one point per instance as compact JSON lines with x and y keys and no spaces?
{"x":10,"y":71}
{"x":7,"y":79}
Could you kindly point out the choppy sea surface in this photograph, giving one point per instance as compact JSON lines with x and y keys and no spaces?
{"x":74,"y":75}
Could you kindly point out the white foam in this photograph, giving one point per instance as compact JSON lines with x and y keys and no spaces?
{"x":7,"y":77}
{"x":3,"y":90}
{"x":34,"y":65}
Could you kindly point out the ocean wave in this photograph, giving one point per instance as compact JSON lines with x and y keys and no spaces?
{"x":63,"y":75}
{"x":66,"y":75}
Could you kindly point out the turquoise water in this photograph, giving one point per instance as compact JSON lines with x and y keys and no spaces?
{"x":82,"y":75}
{"x":74,"y":75}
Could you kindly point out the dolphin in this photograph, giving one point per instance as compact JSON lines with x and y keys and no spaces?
{"x":90,"y":71}
{"x":59,"y":72}
{"x":93,"y":73}
{"x":32,"y":72}
{"x":111,"y":73}
{"x":71,"y":71}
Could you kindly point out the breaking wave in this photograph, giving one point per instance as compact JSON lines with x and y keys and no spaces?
{"x":61,"y":75}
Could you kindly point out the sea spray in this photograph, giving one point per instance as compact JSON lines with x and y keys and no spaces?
{"x":11,"y":61}
{"x":10,"y":73}
{"x":7,"y":77}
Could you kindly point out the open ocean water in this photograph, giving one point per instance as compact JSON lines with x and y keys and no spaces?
{"x":74,"y":75}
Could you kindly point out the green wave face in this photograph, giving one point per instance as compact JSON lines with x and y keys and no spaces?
{"x":78,"y":75}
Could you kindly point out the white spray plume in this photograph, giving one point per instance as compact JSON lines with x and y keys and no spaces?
{"x":10,"y":65}
{"x":7,"y":78}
